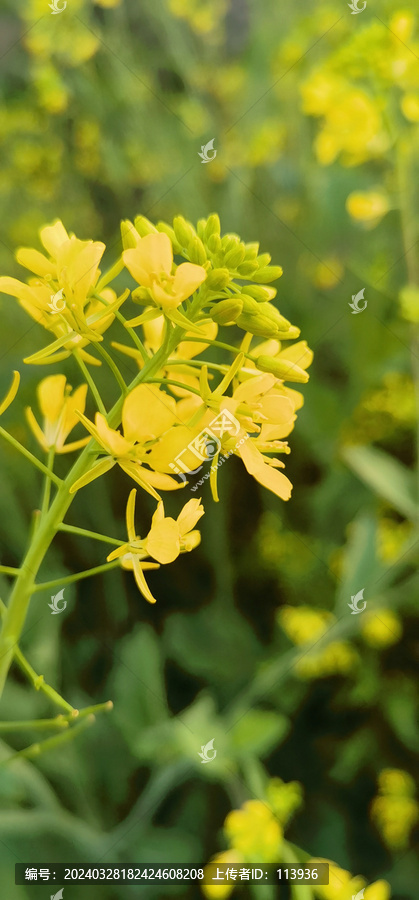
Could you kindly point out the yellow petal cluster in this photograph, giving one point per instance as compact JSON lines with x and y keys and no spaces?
{"x":58,"y":406}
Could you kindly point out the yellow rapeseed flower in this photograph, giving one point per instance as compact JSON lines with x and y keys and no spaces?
{"x":58,"y":406}
{"x":254,"y":832}
{"x":367,"y":207}
{"x":147,"y":413}
{"x":166,"y":539}
{"x":70,"y":274}
{"x":395,"y":810}
{"x":151,"y":264}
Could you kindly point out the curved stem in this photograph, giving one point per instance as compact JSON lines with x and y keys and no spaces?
{"x":113,"y":367}
{"x":47,"y":485}
{"x":83,"y":532}
{"x":98,"y":399}
{"x":69,"y":579}
{"x":36,"y":462}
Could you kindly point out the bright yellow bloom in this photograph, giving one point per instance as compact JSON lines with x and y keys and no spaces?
{"x":58,"y":407}
{"x":151,"y":263}
{"x":254,"y":832}
{"x":367,"y":207}
{"x":410,"y":107}
{"x":147,"y":414}
{"x":381,"y":628}
{"x":11,"y":393}
{"x":342,"y":885}
{"x":379,"y":890}
{"x":166,"y":539}
{"x":303,"y":623}
{"x":70,"y":274}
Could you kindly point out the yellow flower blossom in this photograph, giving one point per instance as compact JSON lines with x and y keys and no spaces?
{"x":367,"y":207}
{"x":395,"y":810}
{"x":342,"y":885}
{"x":303,"y":623}
{"x":147,"y":413}
{"x":221,"y":891}
{"x":70,"y":273}
{"x":151,"y":264}
{"x":254,"y":831}
{"x":58,"y":407}
{"x":166,"y":539}
{"x":382,"y":628}
{"x":11,"y":393}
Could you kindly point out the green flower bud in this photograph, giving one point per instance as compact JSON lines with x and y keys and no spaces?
{"x":217,"y":279}
{"x":230,"y":242}
{"x":261,"y":294}
{"x":247,"y":268}
{"x":249,"y":304}
{"x":200,"y":228}
{"x":213,"y":226}
{"x":184,"y":231}
{"x":258,"y":325}
{"x":263,"y":260}
{"x":196,"y":252}
{"x":282,"y":368}
{"x":226,"y":311}
{"x":144,"y":226}
{"x":234,"y":257}
{"x":141,"y":295}
{"x":270,"y":273}
{"x":290,"y":335}
{"x":164,"y":228}
{"x":271,"y":312}
{"x":214,"y":243}
{"x":127,"y":235}
{"x":252,"y":250}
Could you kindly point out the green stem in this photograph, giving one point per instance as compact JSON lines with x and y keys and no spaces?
{"x":83,"y":532}
{"x":69,"y":579}
{"x":47,"y":485}
{"x":37,"y":680}
{"x":176,"y":384}
{"x":218,"y":344}
{"x":34,"y":724}
{"x":36,"y":462}
{"x":113,"y":367}
{"x":9,"y":570}
{"x":98,"y":399}
{"x":118,"y":315}
{"x":51,"y":743}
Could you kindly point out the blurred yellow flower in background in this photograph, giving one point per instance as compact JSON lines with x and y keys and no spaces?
{"x":367,"y":207}
{"x":381,"y":628}
{"x":395,"y":810}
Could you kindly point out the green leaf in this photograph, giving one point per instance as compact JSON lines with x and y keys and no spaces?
{"x":386,"y":476}
{"x":258,"y":732}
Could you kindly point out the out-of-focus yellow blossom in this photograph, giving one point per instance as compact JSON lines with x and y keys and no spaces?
{"x":328,"y":274}
{"x":107,"y":4}
{"x":302,"y":623}
{"x":367,"y":207}
{"x":58,"y":407}
{"x":395,"y":810}
{"x":151,"y":263}
{"x":284,"y":799}
{"x":382,"y":628}
{"x":11,"y":393}
{"x":203,"y":16}
{"x":147,"y":413}
{"x":166,"y":539}
{"x":409,"y":303}
{"x":344,"y":886}
{"x":72,"y":271}
{"x":254,"y":831}
{"x":410,"y":107}
{"x":186,"y":350}
{"x":221,"y":891}
{"x":391,"y":537}
{"x":383,"y":410}
{"x":337,"y":658}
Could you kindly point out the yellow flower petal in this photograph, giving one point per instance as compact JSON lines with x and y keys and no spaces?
{"x":52,"y":236}
{"x":141,"y":582}
{"x":103,"y":466}
{"x":36,"y":262}
{"x":162,"y":542}
{"x":189,"y":516}
{"x":51,"y":394}
{"x":188,"y":278}
{"x":11,"y":393}
{"x":147,"y":413}
{"x":266,"y":475}
{"x":111,"y":440}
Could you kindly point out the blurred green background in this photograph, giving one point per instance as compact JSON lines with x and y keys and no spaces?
{"x":103,"y":110}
